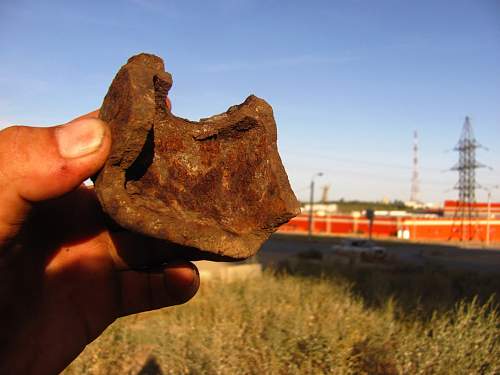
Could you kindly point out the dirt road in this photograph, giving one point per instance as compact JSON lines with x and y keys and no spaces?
{"x":283,"y":246}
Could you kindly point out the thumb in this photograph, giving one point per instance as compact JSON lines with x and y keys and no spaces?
{"x":43,"y":163}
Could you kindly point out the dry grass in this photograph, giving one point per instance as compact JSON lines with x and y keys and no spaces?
{"x":286,"y":324}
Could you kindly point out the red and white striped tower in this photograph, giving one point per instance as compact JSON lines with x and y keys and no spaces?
{"x":415,"y":182}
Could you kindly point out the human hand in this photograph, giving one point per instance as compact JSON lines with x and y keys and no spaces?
{"x":63,"y":276}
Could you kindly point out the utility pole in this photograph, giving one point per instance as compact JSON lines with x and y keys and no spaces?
{"x":466,"y":211}
{"x":370,"y":215}
{"x":311,"y":204}
{"x":488,"y":215}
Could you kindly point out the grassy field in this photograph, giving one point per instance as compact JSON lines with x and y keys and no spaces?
{"x":349,"y":322}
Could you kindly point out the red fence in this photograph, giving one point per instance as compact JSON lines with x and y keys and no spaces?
{"x":414,"y":228}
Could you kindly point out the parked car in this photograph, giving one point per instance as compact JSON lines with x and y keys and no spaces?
{"x":358,"y":249}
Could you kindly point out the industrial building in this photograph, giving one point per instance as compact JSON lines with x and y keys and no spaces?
{"x":438,"y":226}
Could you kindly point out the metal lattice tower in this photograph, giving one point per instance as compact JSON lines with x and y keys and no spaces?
{"x":415,"y":182}
{"x":326,"y":190}
{"x":464,"y":224}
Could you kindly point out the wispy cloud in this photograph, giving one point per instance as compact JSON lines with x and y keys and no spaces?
{"x":275,"y":63}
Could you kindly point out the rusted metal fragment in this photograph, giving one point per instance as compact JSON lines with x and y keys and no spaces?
{"x":217,"y":185}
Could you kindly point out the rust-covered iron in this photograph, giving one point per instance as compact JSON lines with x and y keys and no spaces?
{"x":217,"y":186}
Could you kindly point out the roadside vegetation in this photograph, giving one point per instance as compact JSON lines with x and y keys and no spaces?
{"x":312,"y":320}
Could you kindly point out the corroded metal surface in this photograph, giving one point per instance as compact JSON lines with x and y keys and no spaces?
{"x":217,"y":185}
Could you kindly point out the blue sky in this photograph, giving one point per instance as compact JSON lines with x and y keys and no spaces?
{"x":349,"y":80}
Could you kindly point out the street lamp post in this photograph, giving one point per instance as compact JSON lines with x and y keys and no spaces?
{"x":311,"y":203}
{"x":488,"y":214}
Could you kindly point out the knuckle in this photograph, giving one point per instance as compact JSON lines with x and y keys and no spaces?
{"x":10,"y":140}
{"x":8,"y":150}
{"x":12,"y":133}
{"x":61,"y":170}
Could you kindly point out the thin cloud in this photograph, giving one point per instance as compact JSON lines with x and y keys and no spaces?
{"x":275,"y":63}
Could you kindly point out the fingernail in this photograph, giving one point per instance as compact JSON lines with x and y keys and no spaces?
{"x":80,"y":138}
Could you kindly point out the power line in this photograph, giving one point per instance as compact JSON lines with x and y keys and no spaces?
{"x":355,"y":161}
{"x":375,"y":176}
